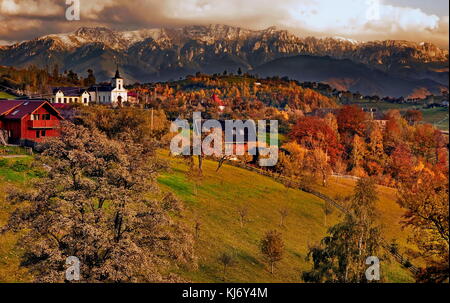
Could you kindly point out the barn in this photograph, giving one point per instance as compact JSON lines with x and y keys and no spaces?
{"x":27,"y":122}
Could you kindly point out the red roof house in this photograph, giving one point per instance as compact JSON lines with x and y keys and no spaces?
{"x":28,"y":122}
{"x":218,"y":102}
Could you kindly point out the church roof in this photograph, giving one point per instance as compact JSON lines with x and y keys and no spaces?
{"x":101,"y":88}
{"x":70,"y":91}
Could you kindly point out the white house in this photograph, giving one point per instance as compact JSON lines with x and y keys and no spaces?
{"x":66,"y":95}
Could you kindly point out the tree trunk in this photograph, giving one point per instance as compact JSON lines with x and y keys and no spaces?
{"x":324,"y":180}
{"x":200,"y":164}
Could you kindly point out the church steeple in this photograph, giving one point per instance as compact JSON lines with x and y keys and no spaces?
{"x":117,"y":81}
{"x":117,"y":76}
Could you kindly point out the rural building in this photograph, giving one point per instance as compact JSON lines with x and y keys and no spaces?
{"x":70,"y":95}
{"x":218,"y":102}
{"x":113,"y":94}
{"x":27,"y":122}
{"x":133,"y":98}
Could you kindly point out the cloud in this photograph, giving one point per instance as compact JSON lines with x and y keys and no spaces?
{"x":358,"y":19}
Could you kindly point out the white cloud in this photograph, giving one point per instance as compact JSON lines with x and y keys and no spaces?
{"x":359,"y":19}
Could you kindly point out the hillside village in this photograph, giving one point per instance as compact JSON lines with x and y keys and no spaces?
{"x":225,"y":150}
{"x":327,"y":139}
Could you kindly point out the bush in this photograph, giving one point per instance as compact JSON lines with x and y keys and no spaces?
{"x":19,"y":166}
{"x":3,"y":162}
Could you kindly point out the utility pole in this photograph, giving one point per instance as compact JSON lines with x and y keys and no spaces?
{"x":151,"y":125}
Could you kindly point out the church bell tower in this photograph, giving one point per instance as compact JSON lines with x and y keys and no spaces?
{"x":117,"y":81}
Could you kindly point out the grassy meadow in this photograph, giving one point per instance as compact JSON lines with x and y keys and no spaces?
{"x":13,"y":172}
{"x":214,"y":202}
{"x":436,"y":116}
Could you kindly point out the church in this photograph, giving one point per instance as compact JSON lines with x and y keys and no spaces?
{"x":113,"y":93}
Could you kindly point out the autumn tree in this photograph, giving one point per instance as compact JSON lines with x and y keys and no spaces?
{"x":358,"y":152}
{"x":341,"y":256}
{"x":401,"y":164}
{"x":98,"y":201}
{"x":351,"y":120}
{"x":426,"y":203}
{"x":375,"y":155}
{"x":319,"y":165}
{"x":426,"y":141}
{"x":413,"y":116}
{"x":313,"y":133}
{"x":394,"y":134}
{"x":136,"y":123}
{"x":291,"y":162}
{"x":272,"y":247}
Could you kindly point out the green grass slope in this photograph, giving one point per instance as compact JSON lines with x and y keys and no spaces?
{"x":13,"y":172}
{"x":215,"y":201}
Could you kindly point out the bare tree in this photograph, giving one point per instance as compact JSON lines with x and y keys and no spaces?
{"x":284,"y":213}
{"x":243,"y":214}
{"x":226,"y":260}
{"x":327,"y":210}
{"x":221,"y":162}
{"x":197,"y":227}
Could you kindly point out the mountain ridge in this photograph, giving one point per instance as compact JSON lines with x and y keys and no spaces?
{"x":169,"y":53}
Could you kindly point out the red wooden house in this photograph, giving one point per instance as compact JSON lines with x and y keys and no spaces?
{"x":27,"y":122}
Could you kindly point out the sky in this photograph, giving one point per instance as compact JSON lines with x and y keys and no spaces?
{"x":364,"y":20}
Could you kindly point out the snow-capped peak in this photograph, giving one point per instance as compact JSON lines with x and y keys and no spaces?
{"x":352,"y":41}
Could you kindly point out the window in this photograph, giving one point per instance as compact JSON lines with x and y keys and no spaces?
{"x":59,"y":100}
{"x":46,"y":117}
{"x":38,"y":134}
{"x":85,"y":100}
{"x":70,"y":100}
{"x":65,"y":100}
{"x":43,"y":133}
{"x":35,"y":117}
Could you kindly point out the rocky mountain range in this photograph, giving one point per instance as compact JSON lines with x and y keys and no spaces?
{"x":380,"y":67}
